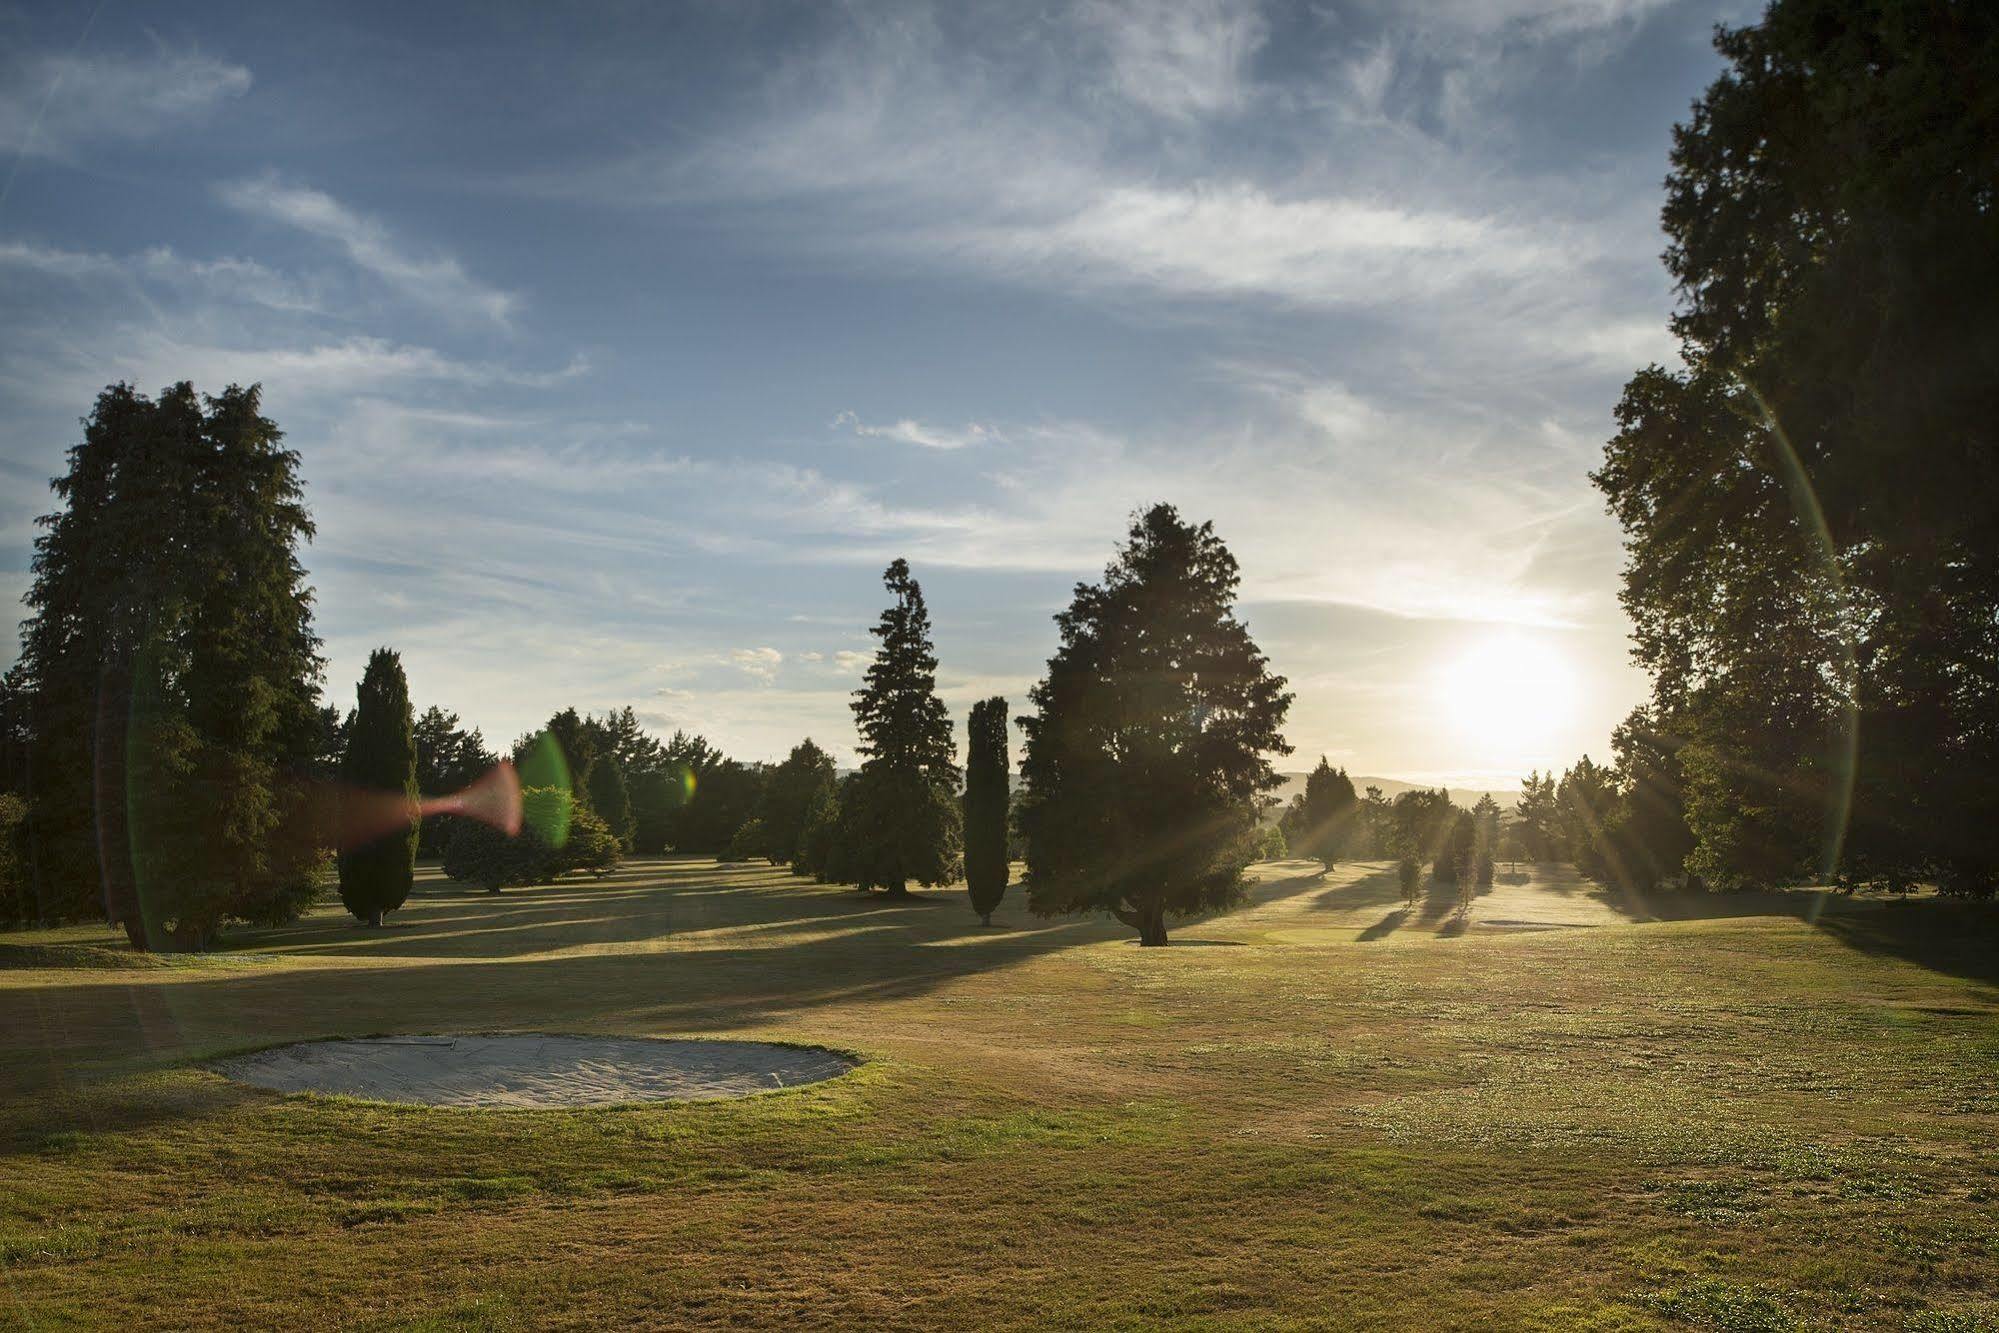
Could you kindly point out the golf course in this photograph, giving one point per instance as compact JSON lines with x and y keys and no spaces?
{"x":1566,"y":1108}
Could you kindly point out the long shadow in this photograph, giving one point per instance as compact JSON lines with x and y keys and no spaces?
{"x":1385,"y":927}
{"x":1953,"y":937}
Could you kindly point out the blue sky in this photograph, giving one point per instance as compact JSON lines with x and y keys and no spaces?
{"x":625,"y":344}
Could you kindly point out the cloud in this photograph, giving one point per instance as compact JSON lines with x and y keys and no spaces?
{"x":1179,"y":58}
{"x":55,"y":105}
{"x":758,"y":663}
{"x":437,"y":282}
{"x":852,"y":662}
{"x":66,"y":373}
{"x":227,"y":279}
{"x":907,"y":431}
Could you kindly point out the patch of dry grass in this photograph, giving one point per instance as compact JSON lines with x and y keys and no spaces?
{"x":1319,"y":1111}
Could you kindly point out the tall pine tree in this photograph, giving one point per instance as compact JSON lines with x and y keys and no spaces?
{"x":1147,"y":758}
{"x":169,"y":665}
{"x":986,"y":804}
{"x":381,"y":757}
{"x":901,"y":821}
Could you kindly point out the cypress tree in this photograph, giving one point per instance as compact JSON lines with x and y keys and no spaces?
{"x":609,"y":798}
{"x":381,"y":756}
{"x":901,"y":819}
{"x":986,"y":806}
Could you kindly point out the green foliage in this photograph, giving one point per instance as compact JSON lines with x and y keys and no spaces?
{"x":820,"y":852}
{"x":656,"y":795}
{"x":1322,"y":821}
{"x":1147,"y":757}
{"x":609,"y":799}
{"x":988,"y":799}
{"x":1590,"y":804}
{"x":752,"y":840}
{"x":1485,"y":824}
{"x":1271,"y":844}
{"x":724,"y":797}
{"x":1409,"y":878}
{"x":1811,"y":577}
{"x":381,"y":757}
{"x":791,"y":791}
{"x":17,"y":901}
{"x":895,"y":826}
{"x":1538,"y":818}
{"x":592,"y":844}
{"x":169,"y":664}
{"x":901,"y":822}
{"x":1420,"y":824}
{"x":557,"y":835}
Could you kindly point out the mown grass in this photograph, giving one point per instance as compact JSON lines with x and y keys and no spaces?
{"x":1321,"y":1111}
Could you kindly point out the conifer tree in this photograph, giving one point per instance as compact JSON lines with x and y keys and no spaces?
{"x":1146,"y":758}
{"x":986,"y":806}
{"x":381,"y":756}
{"x":792,"y":790}
{"x":610,"y":799}
{"x":901,"y":820}
{"x":168,"y":666}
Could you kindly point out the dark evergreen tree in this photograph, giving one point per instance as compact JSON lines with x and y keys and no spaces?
{"x":1146,"y":758}
{"x":1485,"y":817}
{"x":902,"y":820}
{"x":987,"y":800}
{"x":1591,"y":805}
{"x":608,"y":797}
{"x":1323,"y":819}
{"x":169,"y":666}
{"x":792,"y":790}
{"x":381,"y":757}
{"x":1539,"y":816}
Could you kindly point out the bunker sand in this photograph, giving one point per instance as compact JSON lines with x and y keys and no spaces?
{"x":533,"y":1070}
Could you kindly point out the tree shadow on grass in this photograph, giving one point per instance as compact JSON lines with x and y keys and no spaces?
{"x":1385,"y":927}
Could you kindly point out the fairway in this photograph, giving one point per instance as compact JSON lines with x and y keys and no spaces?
{"x":1570,"y":1110}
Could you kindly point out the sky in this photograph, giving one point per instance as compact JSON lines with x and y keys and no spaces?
{"x":624,"y":345}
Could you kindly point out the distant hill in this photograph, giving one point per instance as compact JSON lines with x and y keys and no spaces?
{"x":1467,"y":797}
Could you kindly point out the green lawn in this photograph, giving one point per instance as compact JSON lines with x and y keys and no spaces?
{"x":1318,"y":1111}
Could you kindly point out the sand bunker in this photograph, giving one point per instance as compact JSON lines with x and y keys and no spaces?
{"x":530,"y":1070}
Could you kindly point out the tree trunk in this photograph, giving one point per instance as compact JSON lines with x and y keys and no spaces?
{"x":985,"y":918}
{"x":900,"y":889}
{"x":375,"y":919}
{"x":1152,"y":925}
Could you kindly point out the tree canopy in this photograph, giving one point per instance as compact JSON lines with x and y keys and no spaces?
{"x":1809,"y":505}
{"x":1148,"y":752}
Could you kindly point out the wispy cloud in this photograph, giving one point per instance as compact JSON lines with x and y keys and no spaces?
{"x":1179,"y":58}
{"x":226,"y":279}
{"x":908,"y":431}
{"x":54,"y":105}
{"x":438,"y":282}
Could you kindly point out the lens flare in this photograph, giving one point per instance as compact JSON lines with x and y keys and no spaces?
{"x":364,"y":815}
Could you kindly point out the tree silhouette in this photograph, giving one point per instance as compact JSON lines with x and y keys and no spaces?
{"x":381,"y":756}
{"x":1808,"y":507}
{"x":901,"y":821}
{"x":1324,"y":818}
{"x":987,"y":799}
{"x":1146,"y":758}
{"x":610,"y":798}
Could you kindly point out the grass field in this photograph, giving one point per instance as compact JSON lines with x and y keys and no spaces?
{"x":1317,"y":1111}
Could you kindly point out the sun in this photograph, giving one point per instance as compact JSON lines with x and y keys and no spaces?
{"x":1508,"y":695}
